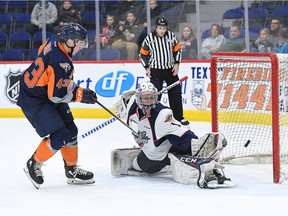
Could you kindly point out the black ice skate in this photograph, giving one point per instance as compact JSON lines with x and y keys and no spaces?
{"x":218,"y":180}
{"x":34,"y":172}
{"x":77,"y":175}
{"x":221,"y":178}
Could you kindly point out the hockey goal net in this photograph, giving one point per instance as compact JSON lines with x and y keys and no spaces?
{"x":250,"y":107}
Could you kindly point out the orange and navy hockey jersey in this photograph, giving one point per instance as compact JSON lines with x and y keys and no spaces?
{"x":49,"y":79}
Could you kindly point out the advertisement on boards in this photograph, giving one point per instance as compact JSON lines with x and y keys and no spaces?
{"x":111,"y":80}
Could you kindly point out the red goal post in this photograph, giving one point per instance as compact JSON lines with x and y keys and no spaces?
{"x":249,"y":96}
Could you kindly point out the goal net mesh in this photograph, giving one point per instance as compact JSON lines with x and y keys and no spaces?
{"x":244,"y":109}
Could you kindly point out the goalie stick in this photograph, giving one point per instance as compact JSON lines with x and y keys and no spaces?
{"x":95,"y":129}
{"x":111,"y":120}
{"x":173,"y":85}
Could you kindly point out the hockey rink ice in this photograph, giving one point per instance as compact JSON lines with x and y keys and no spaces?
{"x":123,"y":196}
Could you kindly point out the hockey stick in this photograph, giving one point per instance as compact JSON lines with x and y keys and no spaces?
{"x":95,"y":129}
{"x":173,"y":85}
{"x":195,"y":155}
{"x":116,"y":117}
{"x":111,"y":120}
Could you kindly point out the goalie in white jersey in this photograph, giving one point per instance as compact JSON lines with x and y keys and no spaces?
{"x":165,"y":145}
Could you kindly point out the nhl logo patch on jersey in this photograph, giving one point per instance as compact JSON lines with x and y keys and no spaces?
{"x":65,"y":66}
{"x":12,"y":87}
{"x":169,"y":118}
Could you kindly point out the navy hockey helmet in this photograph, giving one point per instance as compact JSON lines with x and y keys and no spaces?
{"x":146,"y":96}
{"x":76,"y":32}
{"x":161,"y":22}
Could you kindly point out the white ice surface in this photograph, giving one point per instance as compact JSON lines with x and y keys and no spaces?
{"x":255,"y":194}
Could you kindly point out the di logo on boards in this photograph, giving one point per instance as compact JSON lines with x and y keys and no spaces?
{"x":114,"y":83}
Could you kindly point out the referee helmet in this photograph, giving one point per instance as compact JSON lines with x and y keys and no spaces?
{"x":161,"y":22}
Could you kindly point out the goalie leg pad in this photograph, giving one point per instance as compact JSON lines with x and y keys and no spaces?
{"x":181,"y":172}
{"x":187,"y":169}
{"x":210,"y":145}
{"x":121,"y":160}
{"x":204,"y":172}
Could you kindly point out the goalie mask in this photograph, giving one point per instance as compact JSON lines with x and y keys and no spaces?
{"x":146,"y":97}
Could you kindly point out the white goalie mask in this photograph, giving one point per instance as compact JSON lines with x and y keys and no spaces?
{"x":146,"y":97}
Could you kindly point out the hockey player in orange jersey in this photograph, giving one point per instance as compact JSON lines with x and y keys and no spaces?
{"x":46,"y":88}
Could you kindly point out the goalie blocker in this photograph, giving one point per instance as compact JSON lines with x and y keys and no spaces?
{"x":202,"y":170}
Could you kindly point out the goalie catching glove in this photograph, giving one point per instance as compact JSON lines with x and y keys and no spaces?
{"x":140,"y":138}
{"x":121,"y":105}
{"x":84,"y":95}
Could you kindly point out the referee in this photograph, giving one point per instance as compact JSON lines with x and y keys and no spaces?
{"x":160,"y":55}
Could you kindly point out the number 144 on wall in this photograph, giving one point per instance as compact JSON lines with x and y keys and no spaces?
{"x":243,"y":94}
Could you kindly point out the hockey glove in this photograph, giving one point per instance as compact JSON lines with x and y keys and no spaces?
{"x":140,"y":138}
{"x":84,"y":96}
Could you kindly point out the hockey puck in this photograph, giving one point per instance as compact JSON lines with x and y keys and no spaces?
{"x":247,"y":143}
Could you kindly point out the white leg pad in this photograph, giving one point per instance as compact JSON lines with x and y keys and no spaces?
{"x":121,"y":160}
{"x":183,"y":173}
{"x":187,"y":174}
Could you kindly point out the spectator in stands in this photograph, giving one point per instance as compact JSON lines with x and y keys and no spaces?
{"x":67,"y":14}
{"x":213,"y":42}
{"x":155,"y":12}
{"x":36,"y":17}
{"x":276,"y":24}
{"x":263,"y":43}
{"x":109,"y":31}
{"x":188,"y":43}
{"x":125,"y":6}
{"x":283,"y":34}
{"x":127,"y":41}
{"x":235,"y":42}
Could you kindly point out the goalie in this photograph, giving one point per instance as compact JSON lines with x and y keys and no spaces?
{"x":166,"y":146}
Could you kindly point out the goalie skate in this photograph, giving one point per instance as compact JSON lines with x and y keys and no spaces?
{"x":216,"y":180}
{"x":214,"y":184}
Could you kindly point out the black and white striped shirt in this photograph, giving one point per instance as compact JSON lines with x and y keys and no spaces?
{"x":160,"y":52}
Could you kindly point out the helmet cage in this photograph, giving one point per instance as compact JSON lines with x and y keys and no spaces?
{"x":143,"y":99}
{"x":146,"y":96}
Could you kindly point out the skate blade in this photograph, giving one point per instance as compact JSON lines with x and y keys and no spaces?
{"x":215,"y":185}
{"x":36,"y":185}
{"x":74,"y":181}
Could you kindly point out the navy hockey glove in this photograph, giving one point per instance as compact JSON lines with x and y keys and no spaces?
{"x":140,"y":138}
{"x":85,"y":96}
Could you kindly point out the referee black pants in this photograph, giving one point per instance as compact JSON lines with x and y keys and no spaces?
{"x":174,"y":94}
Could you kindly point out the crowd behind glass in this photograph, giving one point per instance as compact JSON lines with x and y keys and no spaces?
{"x":116,"y":29}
